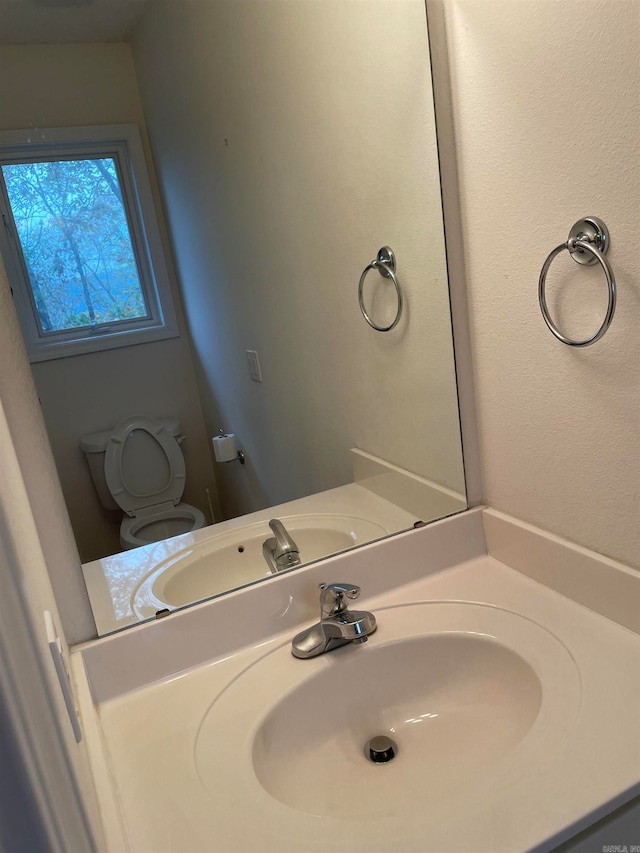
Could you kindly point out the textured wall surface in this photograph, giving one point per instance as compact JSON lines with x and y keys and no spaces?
{"x":547,"y":123}
{"x":292,"y":140}
{"x":67,"y":85}
{"x":36,"y":740}
{"x":32,"y":448}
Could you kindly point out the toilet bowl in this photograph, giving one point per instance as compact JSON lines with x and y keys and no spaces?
{"x":139,"y":466}
{"x":162,"y":524}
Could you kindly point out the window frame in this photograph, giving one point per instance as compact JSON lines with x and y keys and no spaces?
{"x":123,"y":144}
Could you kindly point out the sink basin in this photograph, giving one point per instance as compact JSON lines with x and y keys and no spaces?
{"x":462,"y":702}
{"x":473,"y":696}
{"x":235,"y":558}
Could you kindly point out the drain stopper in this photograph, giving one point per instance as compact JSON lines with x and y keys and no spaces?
{"x":380,"y":749}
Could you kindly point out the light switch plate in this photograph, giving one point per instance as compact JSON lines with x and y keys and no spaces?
{"x":55,"y":646}
{"x":254,"y":365}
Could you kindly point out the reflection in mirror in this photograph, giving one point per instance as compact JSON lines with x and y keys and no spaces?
{"x":285,"y":144}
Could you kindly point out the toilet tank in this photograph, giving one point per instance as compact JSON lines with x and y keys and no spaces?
{"x":94,"y":447}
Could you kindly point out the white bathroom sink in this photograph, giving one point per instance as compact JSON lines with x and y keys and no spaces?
{"x":515,"y":719}
{"x":473,"y":696}
{"x":233,"y":559}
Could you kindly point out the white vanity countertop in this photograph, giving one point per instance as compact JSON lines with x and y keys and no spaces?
{"x":150,"y":735}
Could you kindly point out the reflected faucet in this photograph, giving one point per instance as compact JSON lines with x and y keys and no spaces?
{"x":280,"y":551}
{"x":337,"y":626}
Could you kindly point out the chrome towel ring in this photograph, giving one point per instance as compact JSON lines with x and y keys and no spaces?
{"x":385,"y":263}
{"x":587,"y":244}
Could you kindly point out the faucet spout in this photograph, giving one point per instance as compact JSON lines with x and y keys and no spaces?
{"x":280,"y":551}
{"x":284,"y":542}
{"x":354,"y":626}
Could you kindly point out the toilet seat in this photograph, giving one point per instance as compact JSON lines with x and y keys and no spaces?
{"x":145,"y":473}
{"x":143,"y":466}
{"x":160,"y":524}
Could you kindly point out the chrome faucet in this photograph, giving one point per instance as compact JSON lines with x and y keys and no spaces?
{"x":337,"y":626}
{"x":280,"y":551}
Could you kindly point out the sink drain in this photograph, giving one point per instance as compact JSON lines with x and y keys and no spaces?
{"x":380,"y":749}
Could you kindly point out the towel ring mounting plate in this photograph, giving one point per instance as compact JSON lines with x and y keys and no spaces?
{"x":595,"y":232}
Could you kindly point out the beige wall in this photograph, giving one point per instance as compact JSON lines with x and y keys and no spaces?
{"x":36,"y":725}
{"x":57,"y":86}
{"x":547,"y":117}
{"x":292,"y":141}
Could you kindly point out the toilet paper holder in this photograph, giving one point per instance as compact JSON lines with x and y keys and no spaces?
{"x":229,"y":439}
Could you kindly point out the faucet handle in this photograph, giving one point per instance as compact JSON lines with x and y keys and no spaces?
{"x":332,"y":598}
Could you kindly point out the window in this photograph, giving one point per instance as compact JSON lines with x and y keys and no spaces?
{"x":80,"y":241}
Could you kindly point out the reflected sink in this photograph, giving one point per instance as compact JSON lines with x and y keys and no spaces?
{"x":234,"y":559}
{"x":473,"y":696}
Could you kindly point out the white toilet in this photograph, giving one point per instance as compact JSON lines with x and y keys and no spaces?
{"x":139,"y":467}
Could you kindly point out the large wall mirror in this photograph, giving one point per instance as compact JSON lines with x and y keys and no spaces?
{"x":285,"y":142}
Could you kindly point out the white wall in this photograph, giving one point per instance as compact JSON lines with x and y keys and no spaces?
{"x":546,"y":102}
{"x":47,"y":797}
{"x":292,"y":140}
{"x":66,"y":85}
{"x":28,"y":433}
{"x":40,"y":571}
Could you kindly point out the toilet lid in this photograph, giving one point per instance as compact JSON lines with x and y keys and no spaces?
{"x":143,"y":465}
